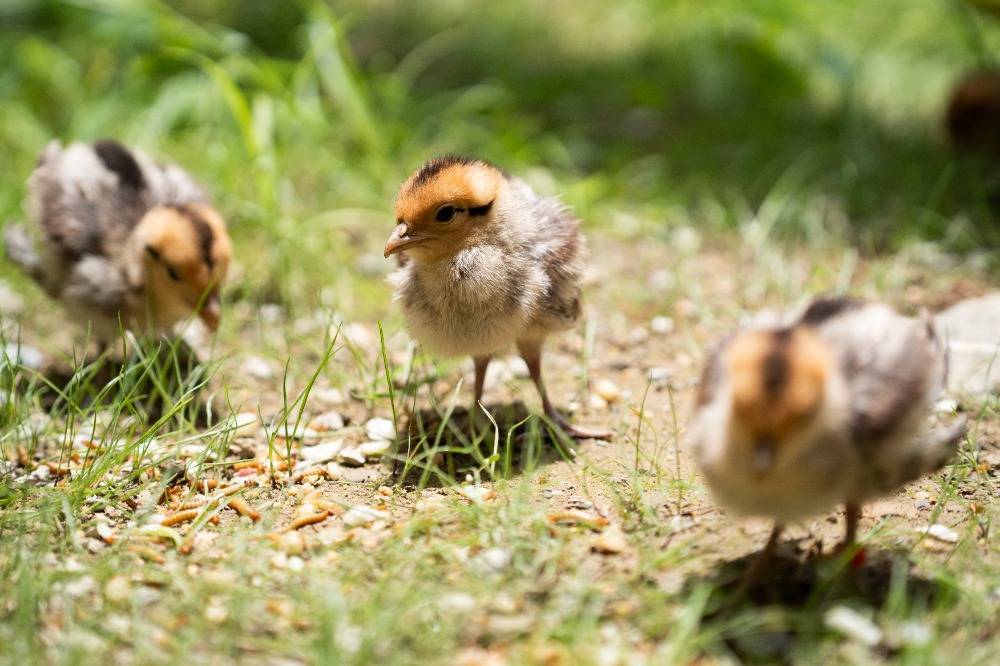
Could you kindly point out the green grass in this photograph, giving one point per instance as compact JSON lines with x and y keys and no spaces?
{"x":725,"y":156}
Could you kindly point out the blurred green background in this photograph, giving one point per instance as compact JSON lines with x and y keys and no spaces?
{"x":822,"y":121}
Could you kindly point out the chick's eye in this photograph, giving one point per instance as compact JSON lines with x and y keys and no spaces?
{"x":173,"y":274}
{"x":445,"y":214}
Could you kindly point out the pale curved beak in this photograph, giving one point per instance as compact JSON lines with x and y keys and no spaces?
{"x":400,"y":240}
{"x":211,"y":312}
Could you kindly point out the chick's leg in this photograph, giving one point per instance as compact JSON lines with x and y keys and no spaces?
{"x":852,"y":514}
{"x":531,"y":352}
{"x":761,"y":563}
{"x":476,"y":417}
{"x":481,"y":362}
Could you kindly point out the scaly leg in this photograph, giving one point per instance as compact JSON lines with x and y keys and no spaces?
{"x":481,"y":363}
{"x":852,"y":514}
{"x":531,"y":352}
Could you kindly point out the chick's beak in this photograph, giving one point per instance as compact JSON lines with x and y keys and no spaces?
{"x":211,"y":312}
{"x":400,"y":240}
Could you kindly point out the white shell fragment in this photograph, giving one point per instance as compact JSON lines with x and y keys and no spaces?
{"x":941,"y":533}
{"x":854,"y":625}
{"x":363,"y":515}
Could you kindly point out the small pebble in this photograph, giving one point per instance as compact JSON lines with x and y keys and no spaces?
{"x":946,"y":406}
{"x":351,"y":456}
{"x":495,"y":559}
{"x":662,"y":325}
{"x":659,"y":375}
{"x":941,"y":533}
{"x":478,"y":494}
{"x":23,"y":355}
{"x":244,"y":424}
{"x":596,"y":402}
{"x":327,"y":421}
{"x":608,"y":390}
{"x":258,"y":368}
{"x":380,"y":428}
{"x":611,"y":541}
{"x":375,"y":449}
{"x":216,"y":613}
{"x":321,"y":453}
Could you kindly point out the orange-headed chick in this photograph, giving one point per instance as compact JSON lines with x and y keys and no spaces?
{"x":831,"y":409}
{"x":485,"y":263}
{"x":125,"y":241}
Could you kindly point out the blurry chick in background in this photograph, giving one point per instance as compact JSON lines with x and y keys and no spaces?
{"x":793,"y":420}
{"x":125,"y":242}
{"x":484,"y":263}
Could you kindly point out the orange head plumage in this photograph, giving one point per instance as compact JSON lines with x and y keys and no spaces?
{"x":443,"y":205}
{"x":777,"y":380}
{"x":187,"y":253}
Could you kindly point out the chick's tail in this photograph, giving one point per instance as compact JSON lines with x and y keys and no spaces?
{"x":933,"y":451}
{"x":21,"y":250}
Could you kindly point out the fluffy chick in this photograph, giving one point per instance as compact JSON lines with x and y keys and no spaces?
{"x":125,"y":241}
{"x":792,"y":420}
{"x":484,"y":263}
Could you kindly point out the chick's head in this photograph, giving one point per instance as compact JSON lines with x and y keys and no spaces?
{"x":444,"y":207}
{"x":778,"y":382}
{"x":186,"y":257}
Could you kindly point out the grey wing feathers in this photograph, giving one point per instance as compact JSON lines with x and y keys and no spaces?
{"x":561,"y":249}
{"x":21,"y":250}
{"x":892,"y":365}
{"x":88,"y":198}
{"x":97,"y":282}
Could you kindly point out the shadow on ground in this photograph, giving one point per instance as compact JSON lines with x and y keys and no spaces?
{"x":801,"y":587}
{"x":442,"y":446}
{"x":166,"y":380}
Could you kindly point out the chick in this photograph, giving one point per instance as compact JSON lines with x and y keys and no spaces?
{"x":126,"y":242}
{"x":973,"y":116}
{"x":792,"y":420}
{"x":485,"y":263}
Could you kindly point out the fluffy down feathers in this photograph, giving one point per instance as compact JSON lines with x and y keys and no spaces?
{"x":97,"y":206}
{"x":864,"y":435}
{"x":517,"y":278}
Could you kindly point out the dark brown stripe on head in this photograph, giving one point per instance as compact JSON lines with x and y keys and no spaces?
{"x":775,"y":369}
{"x":203,"y":230}
{"x":436,"y":165}
{"x":826,"y":308}
{"x":118,"y":160}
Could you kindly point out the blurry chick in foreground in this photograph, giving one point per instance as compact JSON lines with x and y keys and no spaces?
{"x":125,"y":242}
{"x":793,"y":420}
{"x":484,"y":263}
